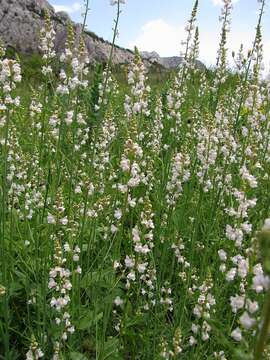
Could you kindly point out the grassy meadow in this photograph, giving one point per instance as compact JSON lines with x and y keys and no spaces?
{"x":134,"y":207}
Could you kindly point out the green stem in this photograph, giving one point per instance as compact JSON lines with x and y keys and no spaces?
{"x":264,"y":331}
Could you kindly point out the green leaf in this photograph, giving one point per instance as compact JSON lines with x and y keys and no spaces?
{"x":77,"y":356}
{"x":103,"y":279}
{"x":15,"y":288}
{"x":111,"y":350}
{"x":90,"y":319}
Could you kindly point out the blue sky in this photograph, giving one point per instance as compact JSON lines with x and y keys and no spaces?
{"x":158,"y":25}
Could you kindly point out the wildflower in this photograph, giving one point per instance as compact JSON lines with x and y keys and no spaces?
{"x":266,"y":226}
{"x":118,"y":301}
{"x":236,"y":334}
{"x":231,"y":274}
{"x":2,"y":290}
{"x":192,"y":341}
{"x":51,"y":219}
{"x":64,"y":221}
{"x":246,"y":321}
{"x":222,"y":255}
{"x":118,"y":214}
{"x":252,"y":306}
{"x":76,"y":257}
{"x":129,"y":262}
{"x":237,"y":303}
{"x":34,"y":352}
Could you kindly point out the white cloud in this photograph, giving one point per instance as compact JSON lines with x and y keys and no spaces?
{"x":220,"y":2}
{"x":160,"y":36}
{"x":70,"y":9}
{"x":165,"y":38}
{"x":209,"y":42}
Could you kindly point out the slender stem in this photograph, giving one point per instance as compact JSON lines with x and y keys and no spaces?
{"x":109,"y":63}
{"x":85,"y":15}
{"x":249,"y":64}
{"x":264,"y":331}
{"x":3,"y":234}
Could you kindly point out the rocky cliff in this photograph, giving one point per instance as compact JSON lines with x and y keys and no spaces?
{"x":169,"y":62}
{"x":21,"y":20}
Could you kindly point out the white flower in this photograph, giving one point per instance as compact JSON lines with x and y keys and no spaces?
{"x":129,"y":262}
{"x":118,"y":301}
{"x":118,"y":214}
{"x":51,"y":219}
{"x":236,"y":334}
{"x":141,"y":267}
{"x":266,"y":226}
{"x":71,"y":329}
{"x":192,"y":341}
{"x":246,"y":321}
{"x":125,"y":164}
{"x":69,"y":117}
{"x":231,"y":274}
{"x":131,"y":276}
{"x":252,"y":306}
{"x":222,"y":255}
{"x":64,"y":221}
{"x":222,"y":268}
{"x":260,"y":282}
{"x":113,"y":229}
{"x":76,"y":257}
{"x":116,"y":265}
{"x":205,"y":336}
{"x":237,"y":302}
{"x":66,"y":247}
{"x":195,"y":328}
{"x":243,"y":268}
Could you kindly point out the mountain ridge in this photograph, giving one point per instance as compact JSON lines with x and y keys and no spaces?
{"x":21,"y":21}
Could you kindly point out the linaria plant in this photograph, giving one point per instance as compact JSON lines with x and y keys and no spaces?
{"x":132,"y":216}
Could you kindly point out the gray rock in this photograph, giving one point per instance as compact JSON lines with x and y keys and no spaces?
{"x":152,"y":56}
{"x":169,"y":62}
{"x":21,"y":21}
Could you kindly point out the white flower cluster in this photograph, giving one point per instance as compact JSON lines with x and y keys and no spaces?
{"x":47,"y":37}
{"x":101,"y":157}
{"x":75,"y":57}
{"x":60,"y":284}
{"x":137,"y":103}
{"x":180,"y":174}
{"x":166,"y":297}
{"x":10,"y":76}
{"x":107,"y":89}
{"x":34,"y":353}
{"x":202,"y":311}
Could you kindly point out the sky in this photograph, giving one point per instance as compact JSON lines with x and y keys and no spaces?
{"x":158,"y":25}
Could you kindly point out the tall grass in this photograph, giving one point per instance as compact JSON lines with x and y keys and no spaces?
{"x":134,"y":221}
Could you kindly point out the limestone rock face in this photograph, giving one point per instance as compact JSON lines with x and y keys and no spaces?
{"x":21,"y":21}
{"x":169,"y":62}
